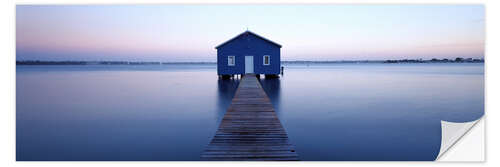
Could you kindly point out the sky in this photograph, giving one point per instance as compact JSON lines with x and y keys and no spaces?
{"x":190,"y":32}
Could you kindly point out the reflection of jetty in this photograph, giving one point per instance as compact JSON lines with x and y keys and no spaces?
{"x":250,"y":129}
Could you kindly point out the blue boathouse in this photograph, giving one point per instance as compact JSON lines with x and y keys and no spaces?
{"x":248,"y":53}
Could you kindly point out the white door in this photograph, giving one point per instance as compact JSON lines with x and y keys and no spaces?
{"x":248,"y":64}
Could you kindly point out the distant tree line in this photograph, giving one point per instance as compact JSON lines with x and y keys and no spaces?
{"x":38,"y":62}
{"x":434,"y":60}
{"x":331,"y":61}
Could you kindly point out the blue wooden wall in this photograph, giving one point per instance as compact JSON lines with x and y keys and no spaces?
{"x":250,"y":45}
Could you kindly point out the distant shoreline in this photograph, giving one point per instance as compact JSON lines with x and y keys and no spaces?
{"x":405,"y":61}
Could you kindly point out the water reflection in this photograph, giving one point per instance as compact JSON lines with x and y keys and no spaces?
{"x":335,"y":112}
{"x":272,"y":87}
{"x":226,"y":88}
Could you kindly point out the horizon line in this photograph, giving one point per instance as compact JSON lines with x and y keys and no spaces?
{"x":417,"y":59}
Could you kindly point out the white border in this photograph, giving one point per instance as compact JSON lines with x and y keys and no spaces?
{"x":7,"y":97}
{"x":250,"y":1}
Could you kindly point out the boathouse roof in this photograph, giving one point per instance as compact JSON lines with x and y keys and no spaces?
{"x":245,"y":33}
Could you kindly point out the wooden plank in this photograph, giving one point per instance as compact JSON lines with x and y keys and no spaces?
{"x":250,"y":129}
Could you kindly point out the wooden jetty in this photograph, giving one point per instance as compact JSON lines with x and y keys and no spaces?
{"x":250,"y":129}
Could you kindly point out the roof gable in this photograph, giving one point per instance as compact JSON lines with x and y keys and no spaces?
{"x":248,"y":32}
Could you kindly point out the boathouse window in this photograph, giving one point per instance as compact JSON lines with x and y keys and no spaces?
{"x":266,"y":59}
{"x":230,"y":60}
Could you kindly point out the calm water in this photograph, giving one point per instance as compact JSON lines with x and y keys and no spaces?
{"x":170,"y":112}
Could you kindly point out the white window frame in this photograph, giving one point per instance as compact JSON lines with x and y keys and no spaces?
{"x":264,"y":60}
{"x":229,"y":60}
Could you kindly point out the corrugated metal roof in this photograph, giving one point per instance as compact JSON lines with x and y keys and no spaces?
{"x":249,"y":33}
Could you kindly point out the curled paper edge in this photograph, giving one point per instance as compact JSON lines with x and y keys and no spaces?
{"x":452,"y":132}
